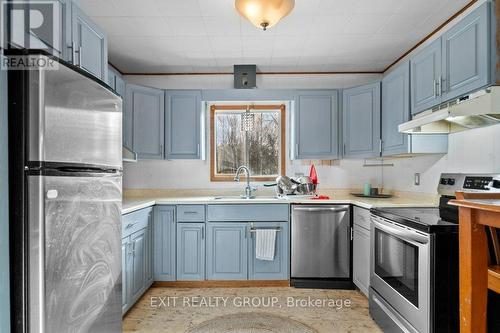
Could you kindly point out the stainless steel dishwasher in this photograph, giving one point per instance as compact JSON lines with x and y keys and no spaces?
{"x":321,"y":246}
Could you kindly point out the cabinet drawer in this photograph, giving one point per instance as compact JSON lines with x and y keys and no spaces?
{"x":248,"y":213}
{"x":191,"y":213}
{"x":135,"y":221}
{"x":362,"y":218}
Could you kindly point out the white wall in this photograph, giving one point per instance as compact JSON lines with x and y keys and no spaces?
{"x":473,"y":151}
{"x":196,"y":174}
{"x":470,"y":151}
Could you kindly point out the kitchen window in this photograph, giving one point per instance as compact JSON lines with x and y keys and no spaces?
{"x":251,"y":135}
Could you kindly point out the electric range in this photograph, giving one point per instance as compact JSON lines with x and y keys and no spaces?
{"x":414,"y":260}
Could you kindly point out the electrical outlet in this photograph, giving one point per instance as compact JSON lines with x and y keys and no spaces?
{"x":417,"y":179}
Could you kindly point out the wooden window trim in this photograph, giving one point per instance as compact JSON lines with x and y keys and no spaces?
{"x":229,"y":178}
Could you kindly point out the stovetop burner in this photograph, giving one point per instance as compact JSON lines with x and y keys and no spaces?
{"x":444,"y":218}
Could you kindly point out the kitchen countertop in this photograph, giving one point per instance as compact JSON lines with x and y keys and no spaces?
{"x":137,"y":199}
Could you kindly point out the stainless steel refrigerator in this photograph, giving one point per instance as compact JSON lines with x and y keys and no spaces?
{"x":65,"y":166}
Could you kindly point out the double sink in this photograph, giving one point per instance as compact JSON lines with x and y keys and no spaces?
{"x":259,"y":198}
{"x":242,"y":197}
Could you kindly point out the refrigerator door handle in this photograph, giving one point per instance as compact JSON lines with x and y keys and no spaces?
{"x":36,"y":260}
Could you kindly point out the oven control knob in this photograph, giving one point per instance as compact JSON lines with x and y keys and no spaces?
{"x":444,"y":181}
{"x":451,"y":181}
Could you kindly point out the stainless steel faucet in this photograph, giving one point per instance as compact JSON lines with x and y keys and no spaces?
{"x":248,"y":188}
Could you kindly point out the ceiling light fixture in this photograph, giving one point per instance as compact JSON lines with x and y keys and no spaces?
{"x":264,"y":13}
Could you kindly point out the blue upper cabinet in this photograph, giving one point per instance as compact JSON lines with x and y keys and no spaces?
{"x":127,"y":121}
{"x":395,"y":109}
{"x":426,"y":78}
{"x":457,"y":63}
{"x":89,"y":44}
{"x":227,"y":251}
{"x":190,"y":251}
{"x":116,"y":81}
{"x":146,"y":108}
{"x":164,"y":243}
{"x":316,"y":125}
{"x":111,"y":78}
{"x":182,"y":122}
{"x":120,"y":86}
{"x":361,"y":117}
{"x":465,"y":49}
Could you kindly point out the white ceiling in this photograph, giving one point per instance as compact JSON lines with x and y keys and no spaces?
{"x":151,"y":36}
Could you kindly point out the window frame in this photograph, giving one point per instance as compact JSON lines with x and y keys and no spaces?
{"x":230,"y":178}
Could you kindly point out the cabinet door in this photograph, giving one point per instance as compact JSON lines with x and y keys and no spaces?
{"x":111,"y":78}
{"x":190,"y":251}
{"x":90,"y":45}
{"x":276,"y":269}
{"x":145,"y":105}
{"x":182,"y":123}
{"x":164,"y":243}
{"x":227,"y":251}
{"x":395,"y":110}
{"x":119,"y":85}
{"x":466,"y":54}
{"x":316,"y":125}
{"x":127,"y":118}
{"x":149,"y":250}
{"x":361,"y":258}
{"x":361,"y":106}
{"x":126,"y":274}
{"x":138,"y":276}
{"x":425,"y":76}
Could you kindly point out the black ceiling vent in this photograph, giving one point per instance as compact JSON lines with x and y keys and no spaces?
{"x":245,"y":76}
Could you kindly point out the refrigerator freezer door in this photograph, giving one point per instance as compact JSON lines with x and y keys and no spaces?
{"x":74,"y":254}
{"x":73,"y":119}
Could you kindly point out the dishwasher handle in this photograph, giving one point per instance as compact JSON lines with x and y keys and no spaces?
{"x":321,"y":209}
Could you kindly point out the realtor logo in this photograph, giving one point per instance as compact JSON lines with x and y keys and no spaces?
{"x":30,"y":25}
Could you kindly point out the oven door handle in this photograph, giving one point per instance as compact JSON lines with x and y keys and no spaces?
{"x":401,"y":233}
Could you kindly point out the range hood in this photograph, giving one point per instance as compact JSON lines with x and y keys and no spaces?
{"x":478,"y":109}
{"x":128,"y":155}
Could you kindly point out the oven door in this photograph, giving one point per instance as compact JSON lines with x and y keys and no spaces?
{"x":399,"y":272}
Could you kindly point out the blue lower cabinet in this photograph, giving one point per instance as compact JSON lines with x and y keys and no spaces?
{"x":138,"y":264}
{"x":136,"y":256}
{"x":149,"y":251}
{"x":227,"y":251}
{"x":126,"y":254}
{"x":164,"y":240}
{"x":190,"y":251}
{"x":276,"y":269}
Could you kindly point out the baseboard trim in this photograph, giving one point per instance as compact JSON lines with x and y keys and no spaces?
{"x":222,"y":284}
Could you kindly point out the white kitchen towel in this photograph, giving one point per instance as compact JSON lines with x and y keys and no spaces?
{"x":265,"y":244}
